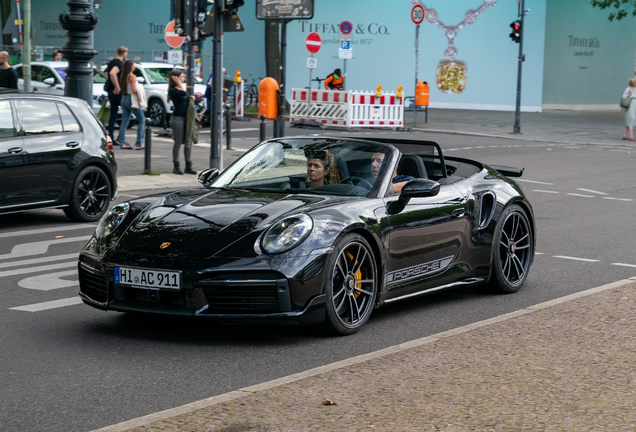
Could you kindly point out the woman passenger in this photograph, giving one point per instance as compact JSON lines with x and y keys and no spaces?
{"x":322,"y":169}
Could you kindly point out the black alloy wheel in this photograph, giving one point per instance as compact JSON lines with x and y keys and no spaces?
{"x":513,"y":249}
{"x":351,"y":285}
{"x":156,"y":112}
{"x":90,"y":195}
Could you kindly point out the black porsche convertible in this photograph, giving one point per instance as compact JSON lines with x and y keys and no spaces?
{"x":313,"y":230}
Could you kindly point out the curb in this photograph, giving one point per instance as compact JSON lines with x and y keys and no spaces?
{"x":246,"y":391}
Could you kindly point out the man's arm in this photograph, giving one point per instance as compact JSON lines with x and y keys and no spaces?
{"x":397,"y":187}
{"x":113,"y":78}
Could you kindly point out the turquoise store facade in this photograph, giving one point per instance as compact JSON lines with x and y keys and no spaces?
{"x":575,"y":58}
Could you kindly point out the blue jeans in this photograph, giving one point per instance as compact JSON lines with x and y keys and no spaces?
{"x":127,"y":109}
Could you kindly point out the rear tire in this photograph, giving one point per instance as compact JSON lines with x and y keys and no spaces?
{"x":90,"y":196}
{"x":351,"y":285}
{"x":513,"y":251}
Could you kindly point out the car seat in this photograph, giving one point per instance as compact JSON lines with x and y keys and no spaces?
{"x":412,"y":165}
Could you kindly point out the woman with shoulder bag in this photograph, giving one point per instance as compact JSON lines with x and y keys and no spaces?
{"x":630,"y":114}
{"x":177,"y":94}
{"x":128,"y":85}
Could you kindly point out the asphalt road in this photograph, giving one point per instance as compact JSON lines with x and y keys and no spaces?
{"x":74,"y":368}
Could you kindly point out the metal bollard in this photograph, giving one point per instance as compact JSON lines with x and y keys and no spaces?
{"x":147,"y":148}
{"x":262,"y":137}
{"x":275,"y":128}
{"x":228,"y":127}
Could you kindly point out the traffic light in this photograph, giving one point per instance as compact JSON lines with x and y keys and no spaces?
{"x":179,"y":16}
{"x":232,"y":5}
{"x":516,"y":31}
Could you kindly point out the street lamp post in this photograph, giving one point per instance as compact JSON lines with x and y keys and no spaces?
{"x":79,"y":52}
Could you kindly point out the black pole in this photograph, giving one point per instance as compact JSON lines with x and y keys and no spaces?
{"x":190,"y":46}
{"x":228,"y":127}
{"x":215,"y":111}
{"x":147,"y":148}
{"x":78,"y":49}
{"x":283,"y":73}
{"x":262,"y":131}
{"x":517,"y":127}
{"x":276,"y":130}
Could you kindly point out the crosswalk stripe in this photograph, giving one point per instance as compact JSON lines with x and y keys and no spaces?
{"x":39,"y":260}
{"x":37,"y":307}
{"x":57,"y":266}
{"x":39,"y":248}
{"x":47,"y":230}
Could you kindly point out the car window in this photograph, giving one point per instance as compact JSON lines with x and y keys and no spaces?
{"x":158,"y":75}
{"x":7,"y":129}
{"x":39,"y":117}
{"x":47,"y":73}
{"x":68,"y":119}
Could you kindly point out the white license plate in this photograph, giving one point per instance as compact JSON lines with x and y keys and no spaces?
{"x":148,"y":279}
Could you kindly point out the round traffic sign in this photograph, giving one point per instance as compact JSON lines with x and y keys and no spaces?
{"x":313,"y":42}
{"x":172,"y":39}
{"x":417,"y":14}
{"x":346,"y":27}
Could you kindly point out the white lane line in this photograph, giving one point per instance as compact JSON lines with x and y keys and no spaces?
{"x":37,"y":307}
{"x":618,"y":199}
{"x":574,"y":258}
{"x":581,"y":195}
{"x":245,"y":129}
{"x":57,"y":266}
{"x":539,"y":253}
{"x":544,"y":191}
{"x":534,"y":181}
{"x":39,"y":260}
{"x":623,"y":265}
{"x":128,"y":195}
{"x":47,"y":230}
{"x":591,"y":191}
{"x":49,"y":281}
{"x":39,"y":248}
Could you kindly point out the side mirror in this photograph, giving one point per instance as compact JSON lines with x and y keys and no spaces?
{"x":207,"y":176}
{"x":50,"y":81}
{"x":141,"y":80}
{"x":416,"y":188}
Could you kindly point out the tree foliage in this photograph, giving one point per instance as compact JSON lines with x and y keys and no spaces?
{"x":622,"y":7}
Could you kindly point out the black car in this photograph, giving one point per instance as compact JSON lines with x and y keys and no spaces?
{"x":54,"y":153}
{"x":266,"y":242}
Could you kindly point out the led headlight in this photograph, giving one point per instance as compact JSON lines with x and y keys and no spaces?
{"x":287,"y":234}
{"x":111,"y":220}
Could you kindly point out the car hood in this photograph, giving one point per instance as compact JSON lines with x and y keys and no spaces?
{"x":201,"y":223}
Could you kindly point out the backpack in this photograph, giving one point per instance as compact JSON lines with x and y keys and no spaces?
{"x":108,"y":85}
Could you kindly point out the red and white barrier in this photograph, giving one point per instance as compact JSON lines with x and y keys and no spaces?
{"x":348,"y":109}
{"x":240,"y":99}
{"x":368,"y":110}
{"x":328,"y":107}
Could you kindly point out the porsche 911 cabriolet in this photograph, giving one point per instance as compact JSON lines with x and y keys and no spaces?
{"x":313,"y":230}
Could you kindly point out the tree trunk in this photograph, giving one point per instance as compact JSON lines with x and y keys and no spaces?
{"x":272,"y":49}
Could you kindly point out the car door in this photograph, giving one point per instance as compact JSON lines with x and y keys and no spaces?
{"x":53,"y":141}
{"x":12,"y":159}
{"x":425,"y":238}
{"x":39,"y":73}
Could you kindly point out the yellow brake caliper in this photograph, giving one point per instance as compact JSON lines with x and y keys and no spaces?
{"x":357,"y":276}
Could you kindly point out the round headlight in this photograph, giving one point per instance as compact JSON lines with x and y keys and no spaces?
{"x":287,"y":234}
{"x":111,"y":220}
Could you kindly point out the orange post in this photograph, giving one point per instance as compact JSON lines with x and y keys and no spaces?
{"x":421,"y":93}
{"x":268,"y":98}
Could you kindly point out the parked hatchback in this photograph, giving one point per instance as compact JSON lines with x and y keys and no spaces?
{"x":54,"y":153}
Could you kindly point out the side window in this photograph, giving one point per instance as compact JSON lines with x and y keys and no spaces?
{"x":39,"y":117}
{"x":7,"y":129}
{"x":47,"y":73}
{"x":36,"y":73}
{"x":68,"y":119}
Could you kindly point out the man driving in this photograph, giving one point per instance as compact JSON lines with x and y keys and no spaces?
{"x":398,"y":180}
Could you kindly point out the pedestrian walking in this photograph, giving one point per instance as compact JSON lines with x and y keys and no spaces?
{"x":8,"y":75}
{"x":177,"y":94}
{"x":128,"y":86}
{"x":334,"y":81}
{"x":57,"y":56}
{"x":630,"y":114}
{"x":113,"y":72}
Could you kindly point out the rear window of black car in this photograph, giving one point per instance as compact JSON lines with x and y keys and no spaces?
{"x":68,"y":119}
{"x":39,"y":117}
{"x":6,"y":120}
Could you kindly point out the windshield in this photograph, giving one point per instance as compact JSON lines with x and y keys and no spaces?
{"x":323,"y":166}
{"x":158,"y":75}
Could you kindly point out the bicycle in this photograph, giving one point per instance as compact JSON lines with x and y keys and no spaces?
{"x":251,"y":92}
{"x":319,"y":81}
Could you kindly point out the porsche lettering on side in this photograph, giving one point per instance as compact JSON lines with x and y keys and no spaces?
{"x":313,"y":230}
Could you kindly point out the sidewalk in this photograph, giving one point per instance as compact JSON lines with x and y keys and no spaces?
{"x":564,"y":127}
{"x":564,"y":365}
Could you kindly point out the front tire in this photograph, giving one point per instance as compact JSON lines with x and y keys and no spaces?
{"x":513,"y":251}
{"x":156,"y":112}
{"x":351,"y":285}
{"x":90,"y":195}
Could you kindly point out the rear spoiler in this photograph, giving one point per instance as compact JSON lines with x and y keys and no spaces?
{"x":508,"y":171}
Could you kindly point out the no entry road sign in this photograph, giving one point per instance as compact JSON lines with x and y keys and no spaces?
{"x":313,"y":42}
{"x":172,"y":39}
{"x":417,"y":14}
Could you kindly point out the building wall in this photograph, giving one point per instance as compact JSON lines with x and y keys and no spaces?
{"x":588,"y":59}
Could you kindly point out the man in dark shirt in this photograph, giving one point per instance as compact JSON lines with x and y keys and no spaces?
{"x":113,"y":71}
{"x":8,"y":75}
{"x":398,"y":180}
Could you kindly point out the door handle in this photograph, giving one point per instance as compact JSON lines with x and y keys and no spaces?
{"x":15,"y":150}
{"x":72,"y":144}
